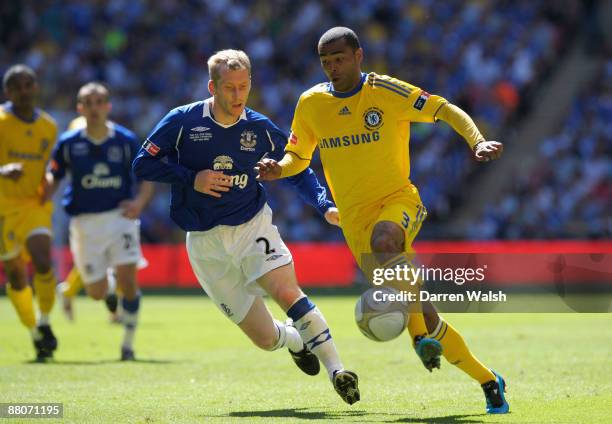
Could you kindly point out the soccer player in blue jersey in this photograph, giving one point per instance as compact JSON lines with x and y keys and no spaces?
{"x":104,"y":226}
{"x":210,"y":149}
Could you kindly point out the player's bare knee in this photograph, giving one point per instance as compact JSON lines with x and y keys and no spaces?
{"x":385,"y":243}
{"x":42,"y":265}
{"x":15,"y":273}
{"x":288,"y":295}
{"x":265,"y":341}
{"x":129,"y":288}
{"x":387,"y":237}
{"x":39,"y":247}
{"x":97,"y":290}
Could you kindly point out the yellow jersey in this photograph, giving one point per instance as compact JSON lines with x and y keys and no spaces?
{"x":29,"y":143}
{"x":362,"y":136}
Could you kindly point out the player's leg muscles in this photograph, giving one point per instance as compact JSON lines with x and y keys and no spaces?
{"x":97,"y":290}
{"x":281,"y":283}
{"x":39,"y":248}
{"x":387,"y":244}
{"x":19,"y":292}
{"x":126,"y":280}
{"x":15,"y":272}
{"x":259,"y":326}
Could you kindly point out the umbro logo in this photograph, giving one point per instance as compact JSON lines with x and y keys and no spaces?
{"x":200,"y":129}
{"x":344,"y":111}
{"x":227,"y":310}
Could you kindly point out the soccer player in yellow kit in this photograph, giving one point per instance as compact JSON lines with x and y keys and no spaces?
{"x":27,"y":136}
{"x":361,"y":124}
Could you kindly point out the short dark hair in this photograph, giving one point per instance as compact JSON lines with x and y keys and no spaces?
{"x":90,"y":88}
{"x":14,"y":71}
{"x":337,"y":33}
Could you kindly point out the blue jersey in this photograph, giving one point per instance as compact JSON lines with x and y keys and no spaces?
{"x":101,"y":173}
{"x":190,"y":140}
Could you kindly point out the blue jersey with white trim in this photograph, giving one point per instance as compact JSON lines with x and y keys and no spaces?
{"x":100,"y":173}
{"x":188,"y":140}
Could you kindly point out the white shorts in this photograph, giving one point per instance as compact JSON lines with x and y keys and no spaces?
{"x":102,"y":240}
{"x":227,"y":260}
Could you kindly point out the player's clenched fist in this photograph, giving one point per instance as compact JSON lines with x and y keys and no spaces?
{"x":212,"y":182}
{"x":485,"y":151}
{"x":268,"y":170}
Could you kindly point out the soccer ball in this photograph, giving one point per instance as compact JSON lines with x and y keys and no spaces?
{"x":380,"y":320}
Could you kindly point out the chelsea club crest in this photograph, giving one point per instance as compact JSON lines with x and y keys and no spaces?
{"x":373,"y":118}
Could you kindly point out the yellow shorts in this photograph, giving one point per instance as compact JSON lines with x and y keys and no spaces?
{"x":16,"y":226}
{"x":403,"y":207}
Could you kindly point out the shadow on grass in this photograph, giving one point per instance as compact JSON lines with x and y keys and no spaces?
{"x":300,"y":413}
{"x":362,"y":416}
{"x":101,"y":362}
{"x":448,"y":419}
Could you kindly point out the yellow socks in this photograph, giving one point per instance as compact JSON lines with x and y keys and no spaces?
{"x":416,"y":325}
{"x":22,"y":301}
{"x":457,"y":353}
{"x":44,"y":285}
{"x":416,"y":321}
{"x":75,"y":283}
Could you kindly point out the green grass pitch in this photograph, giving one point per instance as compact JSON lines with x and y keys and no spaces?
{"x":196,"y":366}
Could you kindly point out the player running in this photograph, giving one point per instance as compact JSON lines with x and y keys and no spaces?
{"x":361,"y":124}
{"x":27,"y":135}
{"x":210,"y":149}
{"x":104,"y":226}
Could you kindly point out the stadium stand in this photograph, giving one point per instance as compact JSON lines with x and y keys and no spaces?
{"x":153,"y":59}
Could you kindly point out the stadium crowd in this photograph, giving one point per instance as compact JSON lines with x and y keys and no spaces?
{"x":569,"y":193}
{"x":484,"y":56}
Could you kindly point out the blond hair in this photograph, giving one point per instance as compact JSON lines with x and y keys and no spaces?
{"x":90,"y":88}
{"x":230,"y":59}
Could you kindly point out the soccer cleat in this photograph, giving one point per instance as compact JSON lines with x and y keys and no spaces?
{"x":45,"y":344}
{"x":48,"y":338}
{"x":429,"y":351}
{"x":494,"y":394}
{"x":346,"y":385}
{"x":42,"y":354}
{"x":127,"y":354}
{"x":306,"y":361}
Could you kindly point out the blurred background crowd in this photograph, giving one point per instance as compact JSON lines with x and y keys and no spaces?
{"x":488,"y":57}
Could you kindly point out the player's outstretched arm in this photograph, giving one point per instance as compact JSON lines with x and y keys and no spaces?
{"x":268,"y":170}
{"x":288,"y":166}
{"x":464,"y":125}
